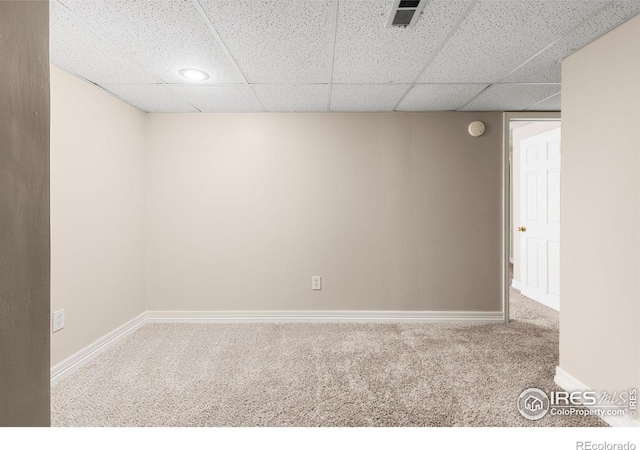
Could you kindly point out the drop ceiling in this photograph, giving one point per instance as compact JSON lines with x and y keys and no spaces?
{"x":327,"y":55}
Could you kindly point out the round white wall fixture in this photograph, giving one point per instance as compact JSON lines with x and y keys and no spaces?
{"x":476,"y":128}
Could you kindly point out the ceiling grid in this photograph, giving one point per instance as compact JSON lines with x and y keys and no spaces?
{"x":334,"y":26}
{"x":327,"y":55}
{"x":207,"y":20}
{"x":77,"y":30}
{"x":435,"y":53}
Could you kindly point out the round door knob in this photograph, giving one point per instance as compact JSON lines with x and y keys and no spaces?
{"x":523,"y":229}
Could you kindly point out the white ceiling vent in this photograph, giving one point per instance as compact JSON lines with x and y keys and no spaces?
{"x":405,"y":13}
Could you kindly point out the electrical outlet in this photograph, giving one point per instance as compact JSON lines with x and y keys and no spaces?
{"x":316,"y":283}
{"x":58,"y":320}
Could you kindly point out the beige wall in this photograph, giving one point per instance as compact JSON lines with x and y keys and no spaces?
{"x":600,"y":234}
{"x":520,"y":133}
{"x":24,"y":214}
{"x":97,"y":212}
{"x":394,"y":211}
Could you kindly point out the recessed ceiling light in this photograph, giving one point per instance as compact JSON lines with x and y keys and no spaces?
{"x":193,"y":74}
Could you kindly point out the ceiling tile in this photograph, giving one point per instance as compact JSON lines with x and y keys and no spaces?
{"x":545,"y":68}
{"x":498,"y":36}
{"x":285,"y":48}
{"x":164,"y":36}
{"x":366,"y":97}
{"x":78,"y":50}
{"x":218,"y":99}
{"x":439,"y":97}
{"x":367,"y":52}
{"x":150,"y":97}
{"x":511,"y":97}
{"x":541,"y":69}
{"x":608,"y":18}
{"x":550,"y":104}
{"x":293,"y":97}
{"x":277,"y":41}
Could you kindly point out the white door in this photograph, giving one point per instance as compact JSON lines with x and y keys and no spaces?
{"x":540,"y":217}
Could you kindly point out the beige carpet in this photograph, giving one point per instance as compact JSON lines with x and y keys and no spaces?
{"x":319,"y":375}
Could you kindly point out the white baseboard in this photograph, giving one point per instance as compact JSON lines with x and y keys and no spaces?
{"x":516,"y":284}
{"x":79,"y":359}
{"x":74,"y":362}
{"x":322,"y":316}
{"x":571,"y":384}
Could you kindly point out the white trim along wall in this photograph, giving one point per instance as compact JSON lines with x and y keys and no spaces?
{"x":82,"y":357}
{"x":571,"y":384}
{"x":60,"y":371}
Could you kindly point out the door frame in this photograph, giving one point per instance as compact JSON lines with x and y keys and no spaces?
{"x":507,"y":117}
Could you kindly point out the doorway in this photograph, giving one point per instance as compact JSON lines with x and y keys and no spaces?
{"x":532,"y":207}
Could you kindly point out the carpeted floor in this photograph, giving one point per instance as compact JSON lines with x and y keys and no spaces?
{"x":319,"y":375}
